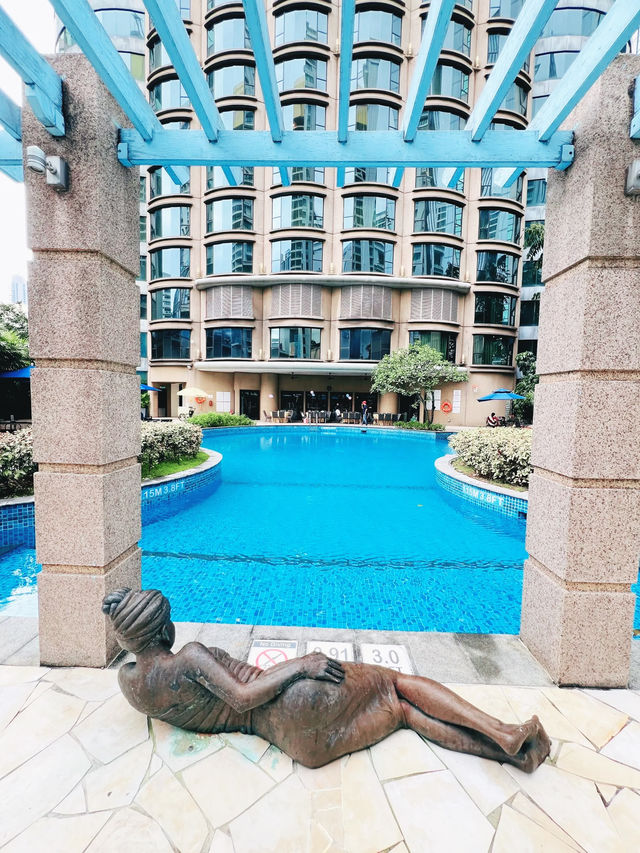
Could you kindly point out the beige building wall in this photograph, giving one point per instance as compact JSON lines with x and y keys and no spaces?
{"x":463,"y":60}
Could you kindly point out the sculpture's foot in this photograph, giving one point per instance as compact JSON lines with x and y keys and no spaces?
{"x":533,"y":752}
{"x":517,"y":736}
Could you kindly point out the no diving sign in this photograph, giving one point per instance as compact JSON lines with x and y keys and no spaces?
{"x":268,"y":653}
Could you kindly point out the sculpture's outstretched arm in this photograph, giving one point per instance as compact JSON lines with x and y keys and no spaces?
{"x":204,"y":668}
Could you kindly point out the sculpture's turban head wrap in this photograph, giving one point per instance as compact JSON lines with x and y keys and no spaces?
{"x":138,"y":617}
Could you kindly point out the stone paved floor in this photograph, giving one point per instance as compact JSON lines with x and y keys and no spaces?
{"x":81,"y":770}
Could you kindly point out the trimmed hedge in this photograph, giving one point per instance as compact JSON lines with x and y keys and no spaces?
{"x":167,"y":442}
{"x":502,"y":453}
{"x":419,"y":426}
{"x":16,"y":463}
{"x":220,"y":419}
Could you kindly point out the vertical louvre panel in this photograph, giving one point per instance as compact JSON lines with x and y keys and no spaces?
{"x":365,"y":302}
{"x":436,"y":304}
{"x":296,"y":300}
{"x":229,"y":302}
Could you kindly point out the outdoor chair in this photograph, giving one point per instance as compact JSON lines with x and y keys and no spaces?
{"x":267,"y":416}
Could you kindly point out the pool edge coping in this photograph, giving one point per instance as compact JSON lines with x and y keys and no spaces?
{"x":443,"y":464}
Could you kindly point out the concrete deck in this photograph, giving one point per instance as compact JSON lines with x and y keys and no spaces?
{"x":81,"y":770}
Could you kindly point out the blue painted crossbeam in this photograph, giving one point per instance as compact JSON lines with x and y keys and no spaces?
{"x":43,"y":87}
{"x":347,"y":17}
{"x":518,"y":148}
{"x":10,"y":156}
{"x":10,"y":116}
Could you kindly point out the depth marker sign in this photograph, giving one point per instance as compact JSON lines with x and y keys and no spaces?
{"x":267,"y":653}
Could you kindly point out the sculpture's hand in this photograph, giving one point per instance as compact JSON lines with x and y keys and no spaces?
{"x":318,"y":666}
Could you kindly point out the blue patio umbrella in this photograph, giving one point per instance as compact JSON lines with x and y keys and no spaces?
{"x":148,"y":388}
{"x":501,"y":394}
{"x":21,"y":373}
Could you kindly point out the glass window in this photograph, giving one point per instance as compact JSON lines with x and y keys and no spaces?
{"x":229,"y":34}
{"x":505,"y":8}
{"x":369,"y":211}
{"x":530,"y":312}
{"x":170,"y":263}
{"x":444,"y":342}
{"x":298,"y":211}
{"x":143,"y":345}
{"x":301,"y":175}
{"x":143,"y":229}
{"x":170,"y":344}
{"x":450,"y":81}
{"x":185,"y":7}
{"x":375,"y":73}
{"x":122,"y":24}
{"x":531,"y":274}
{"x":143,"y":189}
{"x":232,"y":80}
{"x":296,"y":255}
{"x":143,"y":306}
{"x":304,"y":116}
{"x":376,"y":25}
{"x":441,"y":120}
{"x":488,"y":187}
{"x":168,"y":95}
{"x":301,"y":73}
{"x":528,"y":346}
{"x":170,"y":222}
{"x":216,"y":177}
{"x":228,"y":343}
{"x":229,"y":214}
{"x":495,"y":308}
{"x":499,"y":225}
{"x":215,"y":4}
{"x":295,"y":342}
{"x":170,"y":303}
{"x":492,"y":349}
{"x":368,"y":174}
{"x":436,"y":259}
{"x":301,"y":25}
{"x":158,"y":56}
{"x":498,"y":266}
{"x":553,"y":66}
{"x":161,"y":184}
{"x":572,"y":22}
{"x":429,"y":177}
{"x":367,"y":256}
{"x":458,"y":36}
{"x":536,"y":103}
{"x":135,"y":64}
{"x":174,"y":124}
{"x":536,"y":192}
{"x":435,"y":215}
{"x":238,"y":119}
{"x":516,"y":100}
{"x":495,"y":45}
{"x":373,"y":117}
{"x":143,"y":268}
{"x":364,"y":344}
{"x":229,"y":258}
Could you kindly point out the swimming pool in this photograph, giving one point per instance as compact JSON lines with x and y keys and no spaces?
{"x":333,"y":527}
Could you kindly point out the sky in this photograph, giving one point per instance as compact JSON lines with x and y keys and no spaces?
{"x":35,"y":19}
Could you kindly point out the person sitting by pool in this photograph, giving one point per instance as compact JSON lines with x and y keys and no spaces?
{"x":492,"y":420}
{"x":313,"y":708}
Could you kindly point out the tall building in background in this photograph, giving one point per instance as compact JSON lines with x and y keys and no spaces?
{"x":19,"y":291}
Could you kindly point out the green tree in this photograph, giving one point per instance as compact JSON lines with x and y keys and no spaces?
{"x":415,"y":372}
{"x":14,"y":338}
{"x":534,"y":243}
{"x":14,"y":319}
{"x":523,"y":409}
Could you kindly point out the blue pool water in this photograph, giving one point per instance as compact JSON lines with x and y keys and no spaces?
{"x":332,"y":528}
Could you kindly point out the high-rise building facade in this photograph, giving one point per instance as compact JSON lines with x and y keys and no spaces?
{"x":19,"y":291}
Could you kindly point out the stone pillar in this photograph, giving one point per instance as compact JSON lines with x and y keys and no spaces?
{"x":84,"y":337}
{"x":583,"y":530}
{"x":269,"y":397}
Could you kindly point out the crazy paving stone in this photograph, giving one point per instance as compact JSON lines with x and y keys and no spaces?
{"x":321,"y":778}
{"x":251,"y":746}
{"x":167,"y":801}
{"x":529,"y":809}
{"x":607,"y":792}
{"x":627,"y":701}
{"x":40,"y":688}
{"x":401,"y":754}
{"x":179,"y":749}
{"x":221,"y":843}
{"x":225,"y":784}
{"x":517,"y":832}
{"x":156,"y":764}
{"x":597,"y":721}
{"x":129,"y":830}
{"x":574,"y":804}
{"x":93,"y":685}
{"x":487,"y":783}
{"x":489,"y":698}
{"x":12,"y":698}
{"x":59,"y":835}
{"x":319,"y":839}
{"x":116,"y":784}
{"x":435,"y":814}
{"x":112,"y":729}
{"x":34,"y":788}
{"x":74,"y":803}
{"x":624,"y":811}
{"x":369,"y":824}
{"x":597,"y":767}
{"x":276,"y":763}
{"x":625,"y":747}
{"x":21,"y":674}
{"x":526,"y":702}
{"x":39,"y":725}
{"x":280,"y":821}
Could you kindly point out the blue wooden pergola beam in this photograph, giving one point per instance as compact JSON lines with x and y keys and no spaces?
{"x":256,"y":20}
{"x":518,"y":148}
{"x":16,"y":173}
{"x":10,"y":116}
{"x":347,"y":18}
{"x":516,"y":49}
{"x":43,"y":87}
{"x":10,"y":155}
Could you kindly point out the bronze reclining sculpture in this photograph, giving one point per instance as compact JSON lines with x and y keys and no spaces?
{"x":313,"y":708}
